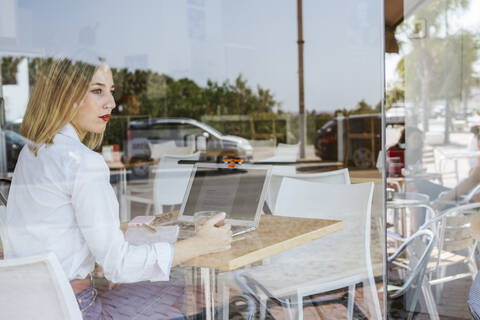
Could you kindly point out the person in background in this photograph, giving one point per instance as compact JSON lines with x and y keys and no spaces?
{"x":396,"y":156}
{"x":407,"y":152}
{"x":61,"y":201}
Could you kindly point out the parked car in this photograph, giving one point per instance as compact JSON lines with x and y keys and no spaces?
{"x":360,"y":149}
{"x":144,"y":136}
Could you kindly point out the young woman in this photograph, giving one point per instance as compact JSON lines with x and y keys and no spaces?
{"x":61,"y":201}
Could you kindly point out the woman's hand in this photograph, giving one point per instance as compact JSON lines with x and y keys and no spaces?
{"x":99,"y":280}
{"x":209,"y":239}
{"x":215,"y":235}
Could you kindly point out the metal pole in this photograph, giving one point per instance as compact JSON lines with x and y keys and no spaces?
{"x":301,"y":93}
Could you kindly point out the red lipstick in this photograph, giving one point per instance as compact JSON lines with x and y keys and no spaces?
{"x":105,"y":117}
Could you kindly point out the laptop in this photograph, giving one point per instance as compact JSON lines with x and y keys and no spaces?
{"x":237,"y":189}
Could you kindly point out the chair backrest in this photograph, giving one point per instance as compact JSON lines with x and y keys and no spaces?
{"x":171,"y":180}
{"x":351,"y":203}
{"x":452,"y":228}
{"x":456,"y":233}
{"x":419,"y":247}
{"x":340,"y":176}
{"x":36,"y":287}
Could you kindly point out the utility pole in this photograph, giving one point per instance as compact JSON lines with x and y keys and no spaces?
{"x":301,"y":93}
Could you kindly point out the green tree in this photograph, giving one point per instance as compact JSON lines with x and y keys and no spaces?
{"x":439,"y":64}
{"x":9,"y":69}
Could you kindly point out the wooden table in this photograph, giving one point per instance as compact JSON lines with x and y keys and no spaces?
{"x":274,"y":234}
{"x":121,"y":168}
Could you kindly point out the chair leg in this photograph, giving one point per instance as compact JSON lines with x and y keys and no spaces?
{"x":472,"y":266}
{"x":431,"y":305}
{"x":299,"y":306}
{"x":288,"y":312}
{"x":374,"y":307}
{"x":263,"y":308}
{"x":351,"y":301}
{"x":128,"y":202}
{"x":441,"y":272}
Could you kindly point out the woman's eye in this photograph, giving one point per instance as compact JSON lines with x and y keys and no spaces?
{"x":113,"y":92}
{"x":97,"y":91}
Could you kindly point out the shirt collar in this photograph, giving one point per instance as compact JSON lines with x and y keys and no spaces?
{"x":70,"y":132}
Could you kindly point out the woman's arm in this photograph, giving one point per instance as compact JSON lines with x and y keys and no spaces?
{"x":465,"y":186}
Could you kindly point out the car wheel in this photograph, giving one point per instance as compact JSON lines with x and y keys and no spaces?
{"x":362,"y":158}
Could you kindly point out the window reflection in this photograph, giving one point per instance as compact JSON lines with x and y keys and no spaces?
{"x":216,"y":82}
{"x":432,"y":157}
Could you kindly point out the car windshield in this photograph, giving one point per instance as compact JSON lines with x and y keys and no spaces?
{"x":328,"y":124}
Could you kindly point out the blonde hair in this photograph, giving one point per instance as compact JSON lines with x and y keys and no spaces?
{"x":59,"y":89}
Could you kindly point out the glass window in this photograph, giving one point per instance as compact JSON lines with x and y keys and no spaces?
{"x":432,"y":150}
{"x":121,"y":121}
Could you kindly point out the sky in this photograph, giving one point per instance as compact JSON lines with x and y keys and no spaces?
{"x":218,"y":40}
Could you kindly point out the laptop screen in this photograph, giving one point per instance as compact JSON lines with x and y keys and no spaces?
{"x":240,"y":192}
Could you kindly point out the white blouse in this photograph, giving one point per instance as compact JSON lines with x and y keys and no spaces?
{"x":61,"y":201}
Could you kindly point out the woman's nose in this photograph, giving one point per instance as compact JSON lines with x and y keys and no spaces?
{"x":111,"y":102}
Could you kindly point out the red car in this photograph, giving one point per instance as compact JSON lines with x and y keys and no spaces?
{"x":364,"y":144}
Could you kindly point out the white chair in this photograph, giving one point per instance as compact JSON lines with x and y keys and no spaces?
{"x":169,"y":184}
{"x":418,"y":248}
{"x":339,"y":260}
{"x":36,"y":287}
{"x":171,"y":180}
{"x":340,"y":176}
{"x":455,"y":245}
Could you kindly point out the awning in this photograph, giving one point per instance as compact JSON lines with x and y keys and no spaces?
{"x":394,"y":15}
